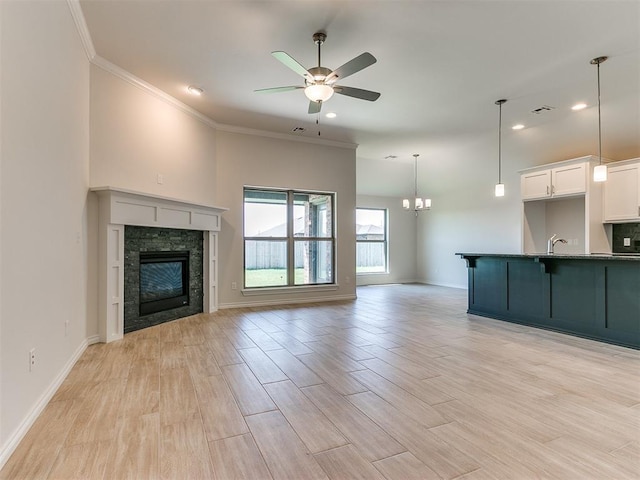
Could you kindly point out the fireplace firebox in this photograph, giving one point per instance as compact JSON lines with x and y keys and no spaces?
{"x":164,"y":281}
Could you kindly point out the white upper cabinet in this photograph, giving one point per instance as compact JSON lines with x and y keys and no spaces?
{"x":536,"y":185}
{"x":562,"y":198}
{"x":559,"y":181}
{"x":569,"y":180}
{"x":622,"y":192}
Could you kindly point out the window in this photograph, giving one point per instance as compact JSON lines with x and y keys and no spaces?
{"x":371,"y":240}
{"x":288,"y":238}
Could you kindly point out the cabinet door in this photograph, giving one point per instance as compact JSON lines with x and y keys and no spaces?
{"x":536,"y":185}
{"x":569,"y":180}
{"x":622,"y":193}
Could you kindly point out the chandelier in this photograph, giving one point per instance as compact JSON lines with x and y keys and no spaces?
{"x":419,"y":203}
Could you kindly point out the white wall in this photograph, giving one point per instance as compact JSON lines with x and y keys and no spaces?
{"x":136,"y":136}
{"x":43,"y":189}
{"x":254,"y":160}
{"x":401,"y":241}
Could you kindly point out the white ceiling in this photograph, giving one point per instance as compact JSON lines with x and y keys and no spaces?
{"x":441,"y":64}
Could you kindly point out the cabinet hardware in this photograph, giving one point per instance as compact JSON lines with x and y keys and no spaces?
{"x":547,"y":189}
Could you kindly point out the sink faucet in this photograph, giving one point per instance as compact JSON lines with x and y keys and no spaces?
{"x":552,"y":241}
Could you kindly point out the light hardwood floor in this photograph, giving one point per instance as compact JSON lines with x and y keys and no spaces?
{"x":400,"y":384}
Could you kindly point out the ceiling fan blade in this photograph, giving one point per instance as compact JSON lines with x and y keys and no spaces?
{"x":352,"y":66}
{"x":315,"y":107}
{"x":293,"y":64}
{"x":357,"y":93}
{"x":277,"y":89}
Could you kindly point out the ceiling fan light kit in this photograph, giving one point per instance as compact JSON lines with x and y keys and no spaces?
{"x":318,"y":92}
{"x":320,"y":82}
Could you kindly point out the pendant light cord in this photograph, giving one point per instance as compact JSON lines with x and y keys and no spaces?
{"x":415,"y":176}
{"x":500,"y":145}
{"x":597,"y":61}
{"x":599,"y":119}
{"x":499,"y":103}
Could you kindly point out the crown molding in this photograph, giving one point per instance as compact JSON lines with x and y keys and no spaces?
{"x":147,"y":87}
{"x":284,"y":136}
{"x":83,"y":30}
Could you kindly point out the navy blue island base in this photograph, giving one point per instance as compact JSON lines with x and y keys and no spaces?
{"x":592,"y":296}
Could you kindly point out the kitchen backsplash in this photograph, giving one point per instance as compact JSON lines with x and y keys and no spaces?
{"x":626,"y":230}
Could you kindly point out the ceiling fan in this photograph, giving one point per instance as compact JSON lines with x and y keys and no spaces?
{"x":320,"y":82}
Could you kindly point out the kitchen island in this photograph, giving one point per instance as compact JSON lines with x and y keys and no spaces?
{"x":592,"y":296}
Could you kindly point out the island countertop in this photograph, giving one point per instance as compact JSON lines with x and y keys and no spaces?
{"x":559,"y":256}
{"x":595,"y":296}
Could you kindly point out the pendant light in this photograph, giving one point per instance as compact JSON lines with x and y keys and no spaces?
{"x":499,"y":190}
{"x":418,"y":203}
{"x":600,"y":171}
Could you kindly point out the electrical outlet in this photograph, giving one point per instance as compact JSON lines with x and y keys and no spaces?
{"x":627,"y":241}
{"x":234,"y":286}
{"x":160,"y":179}
{"x":32,"y":359}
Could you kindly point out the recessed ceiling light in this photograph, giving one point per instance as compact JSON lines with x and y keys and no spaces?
{"x":579,"y":106}
{"x":519,"y":126}
{"x":193,"y":90}
{"x":331,"y":115}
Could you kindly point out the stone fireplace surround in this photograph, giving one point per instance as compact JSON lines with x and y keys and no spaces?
{"x":118,"y":208}
{"x":138,"y":241}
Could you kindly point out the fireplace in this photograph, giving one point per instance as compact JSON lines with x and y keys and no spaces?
{"x":119,"y":266}
{"x":164,"y":281}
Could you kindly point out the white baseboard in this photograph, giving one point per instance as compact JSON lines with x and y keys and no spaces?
{"x":289,"y":301}
{"x":449,"y":285}
{"x":16,"y":437}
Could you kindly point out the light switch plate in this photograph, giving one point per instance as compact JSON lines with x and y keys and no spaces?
{"x":627,"y":242}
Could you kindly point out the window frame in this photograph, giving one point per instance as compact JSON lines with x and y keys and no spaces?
{"x":384,"y":242}
{"x":290,"y":240}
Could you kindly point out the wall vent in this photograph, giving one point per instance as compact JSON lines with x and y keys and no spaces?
{"x":542,"y":109}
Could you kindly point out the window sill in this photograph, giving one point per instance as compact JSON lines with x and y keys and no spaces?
{"x":248,"y":292}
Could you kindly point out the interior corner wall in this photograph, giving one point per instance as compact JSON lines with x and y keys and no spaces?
{"x":43,"y":190}
{"x":141,"y":142}
{"x":401,"y":241}
{"x":253,"y":160}
{"x":465,"y":215}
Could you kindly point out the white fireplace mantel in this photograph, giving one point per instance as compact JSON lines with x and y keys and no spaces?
{"x":119,"y":207}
